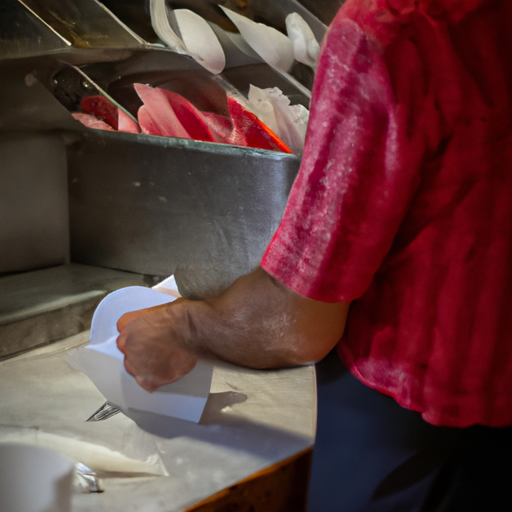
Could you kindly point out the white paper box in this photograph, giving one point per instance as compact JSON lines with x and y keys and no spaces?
{"x":102,"y":361}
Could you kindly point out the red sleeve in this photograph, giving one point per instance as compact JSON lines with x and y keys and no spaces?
{"x":358,"y":174}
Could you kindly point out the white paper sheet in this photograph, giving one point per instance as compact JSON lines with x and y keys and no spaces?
{"x":102,"y":361}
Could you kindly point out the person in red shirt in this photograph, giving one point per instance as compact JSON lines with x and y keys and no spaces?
{"x":402,"y":211}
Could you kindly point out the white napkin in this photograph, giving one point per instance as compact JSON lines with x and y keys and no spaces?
{"x":102,"y":361}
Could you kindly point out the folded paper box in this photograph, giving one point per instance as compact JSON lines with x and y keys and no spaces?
{"x":102,"y":361}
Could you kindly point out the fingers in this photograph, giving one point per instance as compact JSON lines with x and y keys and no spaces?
{"x":121,"y":343}
{"x":149,"y":384}
{"x":122,"y":325}
{"x":151,"y":355}
{"x":126,"y":319}
{"x":152,"y":379}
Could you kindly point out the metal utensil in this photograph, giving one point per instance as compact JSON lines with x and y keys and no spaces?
{"x":86,"y":480}
{"x":104,"y":412}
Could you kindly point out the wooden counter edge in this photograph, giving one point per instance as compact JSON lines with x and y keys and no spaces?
{"x":282,"y":487}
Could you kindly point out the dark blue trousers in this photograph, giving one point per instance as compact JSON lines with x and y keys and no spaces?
{"x":372,"y":455}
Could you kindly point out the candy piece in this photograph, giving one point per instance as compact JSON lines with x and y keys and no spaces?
{"x":250,"y":131}
{"x":92,"y":122}
{"x":274,"y":109}
{"x":305,"y":45}
{"x":126,"y":123}
{"x":200,"y":40}
{"x":147,"y":124}
{"x":262,"y":106}
{"x":220,"y":126}
{"x":270,"y":44}
{"x":156,"y":116}
{"x":169,"y":114}
{"x":160,"y":22}
{"x":101,"y":108}
{"x":189,"y":116}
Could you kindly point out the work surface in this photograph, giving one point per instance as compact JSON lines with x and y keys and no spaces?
{"x":252,"y":420}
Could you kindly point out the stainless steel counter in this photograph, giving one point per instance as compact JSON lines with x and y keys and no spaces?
{"x":252,"y":420}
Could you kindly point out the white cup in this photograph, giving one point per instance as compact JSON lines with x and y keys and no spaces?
{"x":34,"y":479}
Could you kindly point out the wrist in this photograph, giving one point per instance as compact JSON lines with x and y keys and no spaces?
{"x":183,"y":319}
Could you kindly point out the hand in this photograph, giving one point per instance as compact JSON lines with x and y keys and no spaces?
{"x":149,"y":340}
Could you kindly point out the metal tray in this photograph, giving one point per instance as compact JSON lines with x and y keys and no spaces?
{"x":153,"y":205}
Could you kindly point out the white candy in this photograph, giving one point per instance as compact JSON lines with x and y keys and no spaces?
{"x":263,"y":108}
{"x":305,"y":45}
{"x":288,"y":122}
{"x":200,"y":40}
{"x":270,"y":44}
{"x":160,"y":23}
{"x":197,"y":37}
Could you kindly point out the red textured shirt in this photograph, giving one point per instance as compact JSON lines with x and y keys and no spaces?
{"x":403,"y":203}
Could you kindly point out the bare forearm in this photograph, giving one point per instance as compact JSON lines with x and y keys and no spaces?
{"x":257,"y":322}
{"x":260,"y":323}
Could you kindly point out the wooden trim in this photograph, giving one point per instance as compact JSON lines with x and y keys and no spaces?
{"x":282,"y":487}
